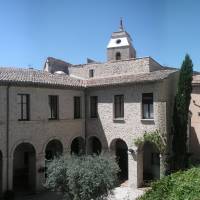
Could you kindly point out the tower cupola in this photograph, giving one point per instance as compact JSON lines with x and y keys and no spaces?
{"x":120,"y":45}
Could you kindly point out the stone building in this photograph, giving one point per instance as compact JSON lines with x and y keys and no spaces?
{"x":64,"y":107}
{"x":194,"y":125}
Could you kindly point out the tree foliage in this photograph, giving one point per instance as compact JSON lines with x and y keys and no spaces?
{"x":180,"y":115}
{"x":154,"y":137}
{"x":84,"y":177}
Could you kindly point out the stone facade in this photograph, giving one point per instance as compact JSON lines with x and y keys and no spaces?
{"x":38,"y":131}
{"x":108,"y":129}
{"x":131,"y":78}
{"x":194,"y":115}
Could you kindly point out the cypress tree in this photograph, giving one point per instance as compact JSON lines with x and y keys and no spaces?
{"x":180,"y":115}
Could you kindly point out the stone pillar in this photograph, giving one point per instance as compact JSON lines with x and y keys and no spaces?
{"x":40,"y":172}
{"x":10,"y":173}
{"x":4,"y":174}
{"x":135,"y":168}
{"x":140,"y":157}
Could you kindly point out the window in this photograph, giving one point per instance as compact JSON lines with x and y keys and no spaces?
{"x":147,"y":106}
{"x":91,"y":73}
{"x":24,"y":107}
{"x":93,"y":106}
{"x":77,"y":107}
{"x":119,"y":106}
{"x":53,"y":107}
{"x":118,"y":56}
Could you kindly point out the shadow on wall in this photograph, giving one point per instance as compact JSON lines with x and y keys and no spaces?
{"x":96,"y":138}
{"x":194,"y":147}
{"x":1,"y":165}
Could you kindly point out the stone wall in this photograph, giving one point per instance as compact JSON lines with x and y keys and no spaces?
{"x":39,"y":130}
{"x":132,"y":66}
{"x":107,"y":129}
{"x":194,"y":142}
{"x":126,"y":52}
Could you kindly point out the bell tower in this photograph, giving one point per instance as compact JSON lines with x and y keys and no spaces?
{"x":120,"y":45}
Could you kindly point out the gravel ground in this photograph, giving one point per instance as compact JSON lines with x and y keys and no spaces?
{"x":119,"y":193}
{"x":126,"y":193}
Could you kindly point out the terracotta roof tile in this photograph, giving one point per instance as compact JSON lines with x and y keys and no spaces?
{"x":34,"y":77}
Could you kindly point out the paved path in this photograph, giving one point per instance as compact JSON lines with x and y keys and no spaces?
{"x":119,"y":193}
{"x":125,"y":193}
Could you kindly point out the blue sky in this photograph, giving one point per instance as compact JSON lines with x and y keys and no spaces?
{"x":72,"y":30}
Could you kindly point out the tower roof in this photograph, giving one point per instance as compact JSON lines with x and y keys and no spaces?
{"x":120,"y":38}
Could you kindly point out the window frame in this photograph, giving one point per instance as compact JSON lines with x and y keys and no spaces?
{"x":121,"y":115}
{"x":51,"y":107}
{"x":94,"y":114}
{"x":148,"y":106}
{"x":77,"y":116}
{"x":27,"y":104}
{"x":91,"y":73}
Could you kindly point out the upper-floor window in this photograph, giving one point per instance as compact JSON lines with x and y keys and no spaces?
{"x":147,"y":105}
{"x":24,"y":107}
{"x":53,"y":107}
{"x":119,"y":106}
{"x":77,"y":107}
{"x":93,"y":106}
{"x":91,"y":73}
{"x":118,"y":56}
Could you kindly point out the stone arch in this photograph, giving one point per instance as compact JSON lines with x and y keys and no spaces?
{"x":151,"y":162}
{"x":53,"y":149}
{"x":49,"y":140}
{"x":17,"y":143}
{"x":118,"y":56}
{"x":148,"y":163}
{"x":120,"y":149}
{"x":1,"y":172}
{"x":78,"y":146}
{"x":94,"y":145}
{"x":24,"y":168}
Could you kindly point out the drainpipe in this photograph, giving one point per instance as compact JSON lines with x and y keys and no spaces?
{"x":85,"y":121}
{"x":7,"y":132}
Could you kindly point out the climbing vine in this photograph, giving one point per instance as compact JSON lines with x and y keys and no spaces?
{"x":155,"y":137}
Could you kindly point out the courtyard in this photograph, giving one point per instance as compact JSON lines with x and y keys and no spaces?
{"x":120,"y":193}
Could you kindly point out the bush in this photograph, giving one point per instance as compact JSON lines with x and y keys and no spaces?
{"x":82,"y":178}
{"x":181,"y":185}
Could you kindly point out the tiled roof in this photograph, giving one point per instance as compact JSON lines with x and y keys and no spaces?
{"x":37,"y":78}
{"x":129,"y":78}
{"x":34,"y":77}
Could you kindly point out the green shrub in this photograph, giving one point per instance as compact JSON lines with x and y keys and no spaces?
{"x":154,"y":137}
{"x":82,"y":178}
{"x":182,"y":185}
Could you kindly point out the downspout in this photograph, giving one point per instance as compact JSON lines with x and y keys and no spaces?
{"x":85,"y":139}
{"x":7,"y":131}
